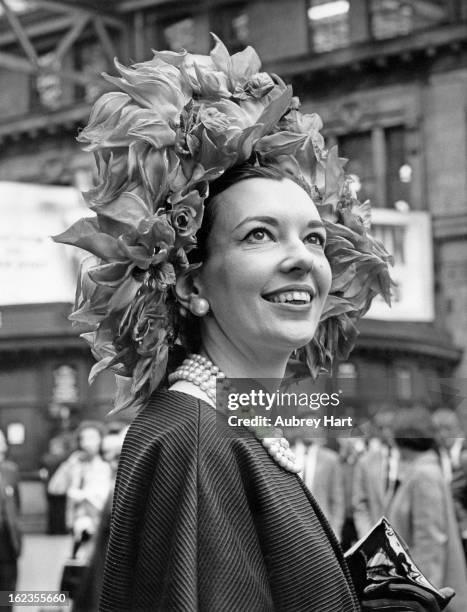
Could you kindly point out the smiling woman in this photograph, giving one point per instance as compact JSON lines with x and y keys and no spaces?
{"x":223,"y":227}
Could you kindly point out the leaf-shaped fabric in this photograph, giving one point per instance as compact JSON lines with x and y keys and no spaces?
{"x":85,"y":234}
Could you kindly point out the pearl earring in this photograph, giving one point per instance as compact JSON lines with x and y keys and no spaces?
{"x":199,"y":306}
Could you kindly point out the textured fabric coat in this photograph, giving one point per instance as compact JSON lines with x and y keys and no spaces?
{"x":211,"y":523}
{"x":422,"y":512}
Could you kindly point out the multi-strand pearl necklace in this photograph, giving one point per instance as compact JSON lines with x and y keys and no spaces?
{"x":204,"y":374}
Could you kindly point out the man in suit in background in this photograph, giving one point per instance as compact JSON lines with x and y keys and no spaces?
{"x":375,"y":476}
{"x":452,"y":452}
{"x":322,"y":474}
{"x":10,"y":535}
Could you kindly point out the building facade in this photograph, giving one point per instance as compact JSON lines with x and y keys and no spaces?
{"x":388,"y":77}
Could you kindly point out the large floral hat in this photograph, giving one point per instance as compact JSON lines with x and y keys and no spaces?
{"x":179,"y":122}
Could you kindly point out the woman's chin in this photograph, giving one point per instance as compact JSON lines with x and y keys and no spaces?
{"x":292,"y":342}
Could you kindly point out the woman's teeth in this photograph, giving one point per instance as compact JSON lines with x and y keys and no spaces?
{"x":302,"y":297}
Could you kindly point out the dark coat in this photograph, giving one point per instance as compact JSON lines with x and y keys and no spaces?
{"x":210,"y":523}
{"x":9,"y":512}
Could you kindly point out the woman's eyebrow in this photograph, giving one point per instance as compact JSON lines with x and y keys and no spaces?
{"x":262,"y":219}
{"x":315,"y":224}
{"x":275,"y":222}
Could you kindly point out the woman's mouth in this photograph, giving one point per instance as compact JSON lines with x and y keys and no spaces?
{"x":290,"y":297}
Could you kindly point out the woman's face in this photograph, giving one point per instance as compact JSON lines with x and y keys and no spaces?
{"x":266,"y":277}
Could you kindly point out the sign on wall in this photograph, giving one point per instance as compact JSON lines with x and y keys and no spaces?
{"x":33,"y":268}
{"x":407,"y":235}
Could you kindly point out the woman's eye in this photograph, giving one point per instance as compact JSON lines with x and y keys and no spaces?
{"x":317,"y":239}
{"x":259,"y":234}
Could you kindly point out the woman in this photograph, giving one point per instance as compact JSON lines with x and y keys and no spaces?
{"x":85,"y":478}
{"x":208,"y":238}
{"x":422,"y":509}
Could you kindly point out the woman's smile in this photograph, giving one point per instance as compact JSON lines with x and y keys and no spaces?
{"x":295,"y":295}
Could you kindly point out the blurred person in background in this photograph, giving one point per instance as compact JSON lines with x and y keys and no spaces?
{"x":422,"y":510}
{"x":86,"y":480}
{"x":375,"y":475}
{"x":10,"y":534}
{"x":453,"y":458}
{"x":350,"y":451}
{"x":87,"y":599}
{"x":322,"y":474}
{"x":111,"y":447}
{"x":451,"y":440}
{"x":56,"y":454}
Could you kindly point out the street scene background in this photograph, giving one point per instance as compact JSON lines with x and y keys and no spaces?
{"x":388,"y":78}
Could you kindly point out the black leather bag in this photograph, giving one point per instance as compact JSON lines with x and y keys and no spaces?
{"x":382,"y":569}
{"x":72,"y":576}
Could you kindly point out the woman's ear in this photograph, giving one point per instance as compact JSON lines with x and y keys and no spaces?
{"x":184,"y":288}
{"x":188,"y":295}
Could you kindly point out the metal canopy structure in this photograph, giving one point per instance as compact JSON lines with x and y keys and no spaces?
{"x":21,"y":25}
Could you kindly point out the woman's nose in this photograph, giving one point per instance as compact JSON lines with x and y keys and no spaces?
{"x":297,"y":256}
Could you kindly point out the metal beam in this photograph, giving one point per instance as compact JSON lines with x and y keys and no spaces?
{"x":20,"y":33}
{"x":105,"y":40}
{"x":15,"y":63}
{"x":77,"y":7}
{"x":42,"y":28}
{"x":41,"y":121}
{"x":60,"y":7}
{"x":70,"y":37}
{"x":82,"y":78}
{"x":129,"y":6}
{"x":19,"y":64}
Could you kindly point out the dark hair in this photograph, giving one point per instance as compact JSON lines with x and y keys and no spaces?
{"x":414,"y":429}
{"x":189,"y":327}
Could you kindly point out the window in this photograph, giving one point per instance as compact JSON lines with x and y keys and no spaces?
{"x":178,"y":31}
{"x":357,"y":148}
{"x":232,"y":24}
{"x":391,"y":18}
{"x":329,"y":24}
{"x":378,"y":162}
{"x":403,"y":383}
{"x":398,"y":171}
{"x":180,"y":35}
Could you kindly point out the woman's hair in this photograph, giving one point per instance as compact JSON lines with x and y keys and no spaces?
{"x":189,"y":324}
{"x":414,"y":429}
